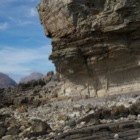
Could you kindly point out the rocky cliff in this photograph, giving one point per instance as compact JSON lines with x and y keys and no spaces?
{"x":95,"y":44}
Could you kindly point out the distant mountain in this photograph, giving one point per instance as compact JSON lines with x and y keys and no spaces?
{"x":32,"y":76}
{"x":6,"y":81}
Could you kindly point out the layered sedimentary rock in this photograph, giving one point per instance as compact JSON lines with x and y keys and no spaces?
{"x":96,"y":44}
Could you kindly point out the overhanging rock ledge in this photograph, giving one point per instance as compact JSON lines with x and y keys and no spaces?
{"x":96,"y":44}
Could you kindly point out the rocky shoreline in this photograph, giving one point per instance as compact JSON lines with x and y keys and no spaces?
{"x":95,"y":44}
{"x":30,"y":117}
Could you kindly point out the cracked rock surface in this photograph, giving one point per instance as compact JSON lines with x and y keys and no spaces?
{"x":95,"y":44}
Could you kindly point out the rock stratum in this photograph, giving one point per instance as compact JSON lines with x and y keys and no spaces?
{"x":96,"y":44}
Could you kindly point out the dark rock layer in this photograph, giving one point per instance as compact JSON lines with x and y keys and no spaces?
{"x":128,"y":130}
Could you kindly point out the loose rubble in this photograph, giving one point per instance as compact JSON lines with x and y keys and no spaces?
{"x":31,"y":114}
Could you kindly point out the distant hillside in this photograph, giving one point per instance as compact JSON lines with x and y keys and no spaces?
{"x":6,"y":81}
{"x":32,"y":76}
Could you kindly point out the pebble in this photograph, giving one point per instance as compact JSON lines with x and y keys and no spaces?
{"x":28,"y":129}
{"x":8,"y":137}
{"x":103,"y":121}
{"x":74,"y":114}
{"x":77,"y":107}
{"x":138,"y":117}
{"x":82,"y":123}
{"x":109,"y":121}
{"x":91,"y":112}
{"x":72,"y":123}
{"x":26,"y":139}
{"x":52,"y":134}
{"x":132,"y":117}
{"x":62,"y":122}
{"x":66,"y":127}
{"x":22,"y":128}
{"x":116,"y":136}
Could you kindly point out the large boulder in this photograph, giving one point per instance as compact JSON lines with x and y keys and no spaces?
{"x":96,"y":43}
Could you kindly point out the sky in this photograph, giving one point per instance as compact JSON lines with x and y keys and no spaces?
{"x":24,"y":48}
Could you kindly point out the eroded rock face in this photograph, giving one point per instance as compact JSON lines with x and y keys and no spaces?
{"x":95,"y":43}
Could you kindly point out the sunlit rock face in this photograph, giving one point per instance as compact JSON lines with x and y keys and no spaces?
{"x":96,"y":44}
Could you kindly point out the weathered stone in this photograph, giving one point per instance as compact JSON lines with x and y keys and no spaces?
{"x":103,"y":121}
{"x":94,"y":121}
{"x":11,"y":122}
{"x":40,"y":126}
{"x":22,"y":109}
{"x":75,"y":114}
{"x":13,"y":131}
{"x":95,"y":43}
{"x":62,"y":117}
{"x":132,"y":117}
{"x":104,"y":131}
{"x":48,"y":77}
{"x":71,"y":123}
{"x":116,"y":136}
{"x":77,"y":107}
{"x":138,"y":117}
{"x":8,"y":137}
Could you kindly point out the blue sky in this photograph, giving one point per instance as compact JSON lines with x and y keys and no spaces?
{"x":24,"y":47}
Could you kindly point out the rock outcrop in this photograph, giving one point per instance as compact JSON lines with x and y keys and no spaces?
{"x":96,"y":44}
{"x":32,"y":92}
{"x":6,"y":81}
